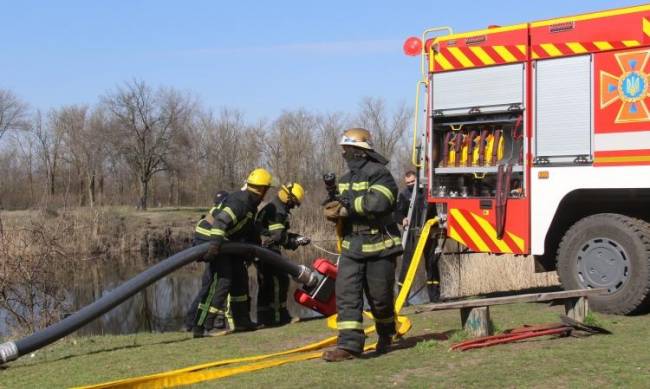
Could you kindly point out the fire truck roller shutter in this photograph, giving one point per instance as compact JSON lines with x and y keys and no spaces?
{"x":563,"y":108}
{"x":495,"y":86}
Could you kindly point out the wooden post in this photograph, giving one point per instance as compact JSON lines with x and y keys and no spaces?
{"x":577,"y":308}
{"x":476,"y":321}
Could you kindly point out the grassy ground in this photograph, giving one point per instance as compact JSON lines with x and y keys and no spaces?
{"x":622,"y":359}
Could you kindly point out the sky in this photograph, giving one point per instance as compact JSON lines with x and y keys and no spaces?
{"x":261,"y":57}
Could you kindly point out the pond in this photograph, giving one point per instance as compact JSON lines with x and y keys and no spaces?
{"x":160,"y":307}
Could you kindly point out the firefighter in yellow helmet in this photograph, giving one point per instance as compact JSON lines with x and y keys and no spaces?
{"x":272,"y":222}
{"x":370,"y":244}
{"x":233,"y":220}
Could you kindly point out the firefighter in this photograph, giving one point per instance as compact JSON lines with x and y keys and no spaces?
{"x":370,"y":243}
{"x":204,"y":225}
{"x":401,"y":217}
{"x":272,"y":222}
{"x":233,"y":221}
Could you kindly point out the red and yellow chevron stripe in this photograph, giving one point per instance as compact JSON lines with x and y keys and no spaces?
{"x":622,"y":158}
{"x":479,"y":235}
{"x":550,"y":50}
{"x":450,"y":58}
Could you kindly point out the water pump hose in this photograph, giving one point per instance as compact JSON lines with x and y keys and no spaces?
{"x":13,"y":350}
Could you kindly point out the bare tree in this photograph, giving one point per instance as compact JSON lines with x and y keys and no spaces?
{"x":387,"y":130}
{"x":48,"y":140}
{"x":84,"y":139}
{"x":330,"y":129}
{"x":147,"y":123}
{"x":12,"y":112}
{"x":290,"y":147}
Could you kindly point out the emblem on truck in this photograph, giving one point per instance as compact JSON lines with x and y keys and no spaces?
{"x":629,"y":89}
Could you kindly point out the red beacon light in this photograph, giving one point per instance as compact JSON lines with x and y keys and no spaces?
{"x":412,"y":46}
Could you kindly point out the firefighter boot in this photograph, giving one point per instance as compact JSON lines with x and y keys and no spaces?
{"x":198,"y":332}
{"x":338,"y":355}
{"x":383,"y":344}
{"x":241,"y":316}
{"x":433,"y":290}
{"x":219,"y":321}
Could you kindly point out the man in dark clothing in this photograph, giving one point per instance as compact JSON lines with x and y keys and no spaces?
{"x":404,"y":200}
{"x":272,"y":222}
{"x":218,"y":321}
{"x":234,"y":221}
{"x":370,"y":244}
{"x":411,"y":224}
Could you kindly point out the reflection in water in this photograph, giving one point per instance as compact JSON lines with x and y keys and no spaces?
{"x":160,"y":307}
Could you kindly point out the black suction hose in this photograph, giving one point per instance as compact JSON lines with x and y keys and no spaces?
{"x":12,"y":350}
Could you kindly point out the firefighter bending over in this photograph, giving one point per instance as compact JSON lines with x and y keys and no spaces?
{"x":201,"y":235}
{"x":371,"y":242}
{"x":272,"y":222}
{"x":233,"y":222}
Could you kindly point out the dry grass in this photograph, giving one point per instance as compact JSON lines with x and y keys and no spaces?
{"x":473,"y":274}
{"x":91,"y":232}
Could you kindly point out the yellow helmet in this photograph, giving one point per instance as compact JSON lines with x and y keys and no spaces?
{"x":293,"y":191}
{"x":259,"y":181}
{"x":357,"y":137}
{"x":259,"y":177}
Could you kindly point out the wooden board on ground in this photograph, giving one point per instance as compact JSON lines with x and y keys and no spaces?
{"x":523,"y":298}
{"x":475,"y":314}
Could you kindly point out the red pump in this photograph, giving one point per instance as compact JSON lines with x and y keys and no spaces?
{"x":321,"y":298}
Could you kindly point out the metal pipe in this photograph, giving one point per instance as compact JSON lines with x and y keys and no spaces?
{"x":13,"y":350}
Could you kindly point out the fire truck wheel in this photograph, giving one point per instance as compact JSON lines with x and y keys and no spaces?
{"x":608,"y":251}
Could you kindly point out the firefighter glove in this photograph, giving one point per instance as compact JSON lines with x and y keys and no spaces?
{"x":334,"y":210}
{"x":213,"y":251}
{"x":267,"y":241}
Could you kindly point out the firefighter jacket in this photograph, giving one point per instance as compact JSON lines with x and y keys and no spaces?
{"x":370,"y":229}
{"x":232,"y":220}
{"x":272,"y":222}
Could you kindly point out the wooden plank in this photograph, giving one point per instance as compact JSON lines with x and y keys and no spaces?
{"x":577,"y":309}
{"x":523,"y":298}
{"x":476,"y":321}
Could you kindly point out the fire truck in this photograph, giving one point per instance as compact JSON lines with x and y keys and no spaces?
{"x":534,"y":139}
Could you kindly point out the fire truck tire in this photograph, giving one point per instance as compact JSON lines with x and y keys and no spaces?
{"x":608,"y":251}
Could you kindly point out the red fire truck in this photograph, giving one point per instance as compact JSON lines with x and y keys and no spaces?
{"x":534,"y":139}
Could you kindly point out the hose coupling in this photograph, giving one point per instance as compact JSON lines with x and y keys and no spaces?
{"x":306,"y":277}
{"x":8,"y":352}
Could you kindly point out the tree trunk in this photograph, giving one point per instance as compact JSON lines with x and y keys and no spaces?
{"x":144,"y":192}
{"x":101,"y":188}
{"x":91,"y":190}
{"x":51,"y":181}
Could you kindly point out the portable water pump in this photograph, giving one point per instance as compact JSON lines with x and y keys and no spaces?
{"x":320,"y":297}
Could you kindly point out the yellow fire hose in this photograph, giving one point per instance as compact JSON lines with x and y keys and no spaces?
{"x":220,"y":369}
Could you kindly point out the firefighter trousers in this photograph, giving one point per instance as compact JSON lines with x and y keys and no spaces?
{"x":376,"y":277}
{"x":191,"y":316}
{"x":273,"y":286}
{"x":228,"y":275}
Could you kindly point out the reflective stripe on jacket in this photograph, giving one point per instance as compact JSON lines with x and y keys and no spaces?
{"x":233,"y":219}
{"x":272,"y":222}
{"x":370,"y":229}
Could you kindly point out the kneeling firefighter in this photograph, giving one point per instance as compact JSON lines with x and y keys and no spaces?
{"x":234,"y":221}
{"x":272,"y":222}
{"x":371,"y":242}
